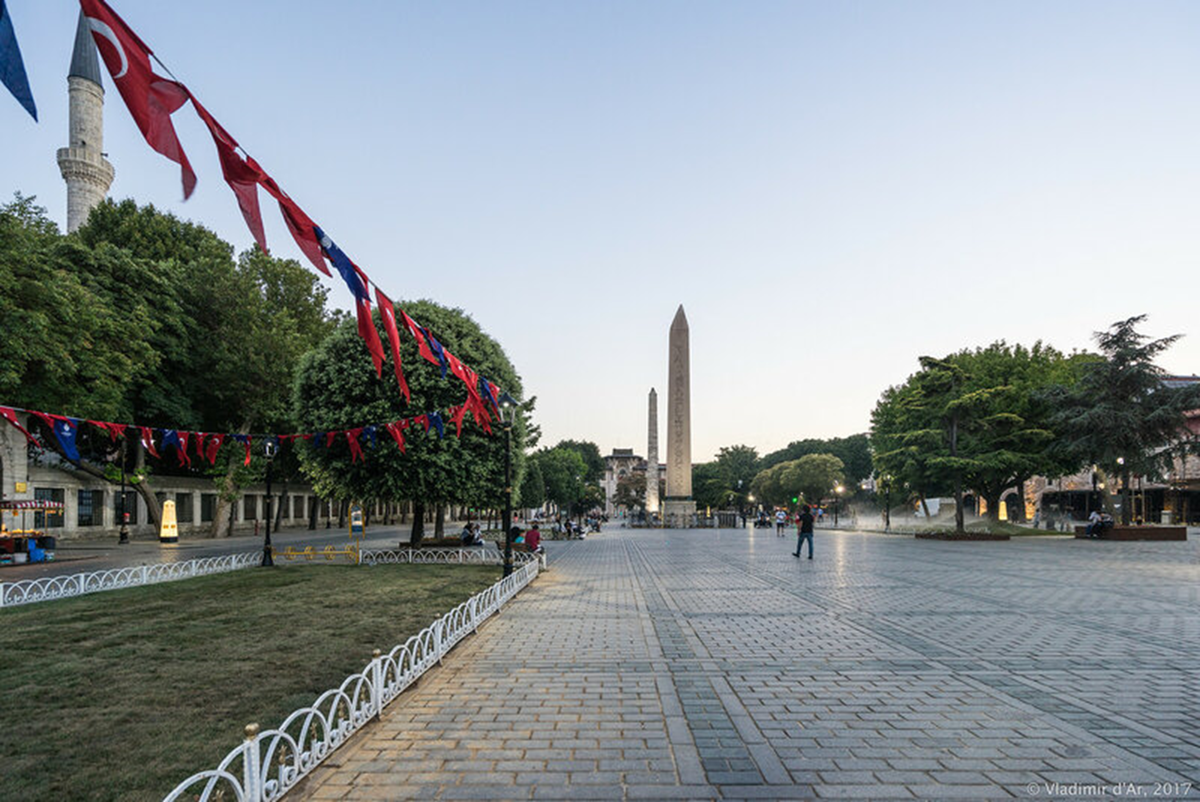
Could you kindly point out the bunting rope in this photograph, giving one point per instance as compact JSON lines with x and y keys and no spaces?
{"x":207,"y":444}
{"x":151,"y":100}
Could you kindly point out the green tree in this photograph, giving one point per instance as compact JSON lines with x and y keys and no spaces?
{"x":73,"y":339}
{"x":590,"y":453}
{"x":563,"y":471}
{"x":533,"y":486}
{"x":336,"y":388}
{"x":229,"y":338}
{"x":710,"y":484}
{"x":1120,"y":414}
{"x":142,"y":317}
{"x":813,"y":477}
{"x":741,"y":464}
{"x":976,"y":418}
{"x":854,"y":452}
{"x":631,"y":492}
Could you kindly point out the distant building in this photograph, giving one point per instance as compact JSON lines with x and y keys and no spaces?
{"x":620,"y":464}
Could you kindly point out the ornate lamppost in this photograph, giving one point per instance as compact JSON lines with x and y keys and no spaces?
{"x":837,"y":501}
{"x":268,"y":558}
{"x":508,"y":414}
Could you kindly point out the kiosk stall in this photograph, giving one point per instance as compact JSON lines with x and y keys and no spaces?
{"x":26,"y":543}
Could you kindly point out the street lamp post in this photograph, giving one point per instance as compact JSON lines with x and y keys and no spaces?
{"x":837,"y":502}
{"x":123,"y":534}
{"x":508,"y":412}
{"x":268,"y":559}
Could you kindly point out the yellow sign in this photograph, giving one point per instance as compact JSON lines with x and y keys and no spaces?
{"x":21,"y":487}
{"x":169,"y":531}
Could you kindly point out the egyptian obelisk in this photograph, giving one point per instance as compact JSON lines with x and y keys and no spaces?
{"x":652,"y":457}
{"x":679,"y":509}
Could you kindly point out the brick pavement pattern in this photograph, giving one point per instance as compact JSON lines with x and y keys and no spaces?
{"x":714,"y":665}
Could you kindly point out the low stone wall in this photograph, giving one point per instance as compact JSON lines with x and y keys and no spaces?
{"x":1137,"y":533}
{"x":956,"y":536}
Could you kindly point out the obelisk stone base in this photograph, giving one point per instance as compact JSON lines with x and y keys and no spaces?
{"x":679,"y":513}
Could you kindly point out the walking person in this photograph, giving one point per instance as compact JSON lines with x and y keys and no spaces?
{"x":804,"y":525}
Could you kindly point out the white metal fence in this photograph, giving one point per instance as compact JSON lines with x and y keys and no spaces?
{"x":269,"y":763}
{"x":27,"y":591}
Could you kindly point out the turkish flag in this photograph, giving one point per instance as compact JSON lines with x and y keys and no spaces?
{"x":396,"y":430}
{"x":150,"y":98}
{"x":212,"y":447}
{"x":301,"y":226}
{"x":242,"y":174}
{"x":11,"y":417}
{"x":388,"y":312}
{"x":352,"y":436}
{"x":148,"y":440}
{"x":418,"y":333}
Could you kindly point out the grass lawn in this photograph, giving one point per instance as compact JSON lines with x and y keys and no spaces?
{"x":123,"y":694}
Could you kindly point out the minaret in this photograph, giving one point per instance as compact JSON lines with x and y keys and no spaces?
{"x":652,"y":457}
{"x":679,"y":509}
{"x":87,"y":173}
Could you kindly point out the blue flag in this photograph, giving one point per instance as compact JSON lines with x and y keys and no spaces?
{"x":65,"y":431}
{"x":435,"y":420}
{"x":12,"y":68}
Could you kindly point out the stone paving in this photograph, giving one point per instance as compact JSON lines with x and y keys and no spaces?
{"x":714,"y":665}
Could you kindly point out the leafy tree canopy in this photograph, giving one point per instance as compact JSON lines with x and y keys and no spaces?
{"x":336,"y":388}
{"x":854,"y":452}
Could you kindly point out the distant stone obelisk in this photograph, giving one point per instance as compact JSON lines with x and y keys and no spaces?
{"x":652,"y":457}
{"x":679,"y":509}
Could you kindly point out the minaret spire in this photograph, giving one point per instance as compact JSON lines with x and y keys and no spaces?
{"x":87,"y":173}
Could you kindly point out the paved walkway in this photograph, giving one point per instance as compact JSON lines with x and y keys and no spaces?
{"x":714,"y":665}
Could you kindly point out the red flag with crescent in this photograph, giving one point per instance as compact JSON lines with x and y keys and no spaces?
{"x":11,"y":417}
{"x":212,"y":447}
{"x":301,"y":226}
{"x":242,"y":174}
{"x":150,"y":98}
{"x":419,"y":335}
{"x":388,"y":312}
{"x":396,"y":430}
{"x":352,"y":436}
{"x":148,"y":440}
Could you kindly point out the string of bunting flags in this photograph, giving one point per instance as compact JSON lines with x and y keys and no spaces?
{"x":207,"y":444}
{"x":152,"y":99}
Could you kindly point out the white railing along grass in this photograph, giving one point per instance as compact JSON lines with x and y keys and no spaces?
{"x":269,"y":763}
{"x":27,"y":591}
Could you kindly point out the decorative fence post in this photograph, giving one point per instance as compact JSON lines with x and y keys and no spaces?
{"x":377,"y":683}
{"x":250,"y":765}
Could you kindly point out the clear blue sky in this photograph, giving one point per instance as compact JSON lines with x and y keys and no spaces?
{"x":831,"y":189}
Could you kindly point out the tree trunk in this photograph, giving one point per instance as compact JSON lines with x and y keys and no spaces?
{"x":439,"y":521}
{"x":222,"y":522}
{"x":153,"y":509}
{"x":959,"y":527}
{"x":418,"y":524}
{"x":993,"y":503}
{"x":314,"y":507}
{"x":1126,"y":499}
{"x":343,"y":507}
{"x":925,"y":506}
{"x":1019,"y":515}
